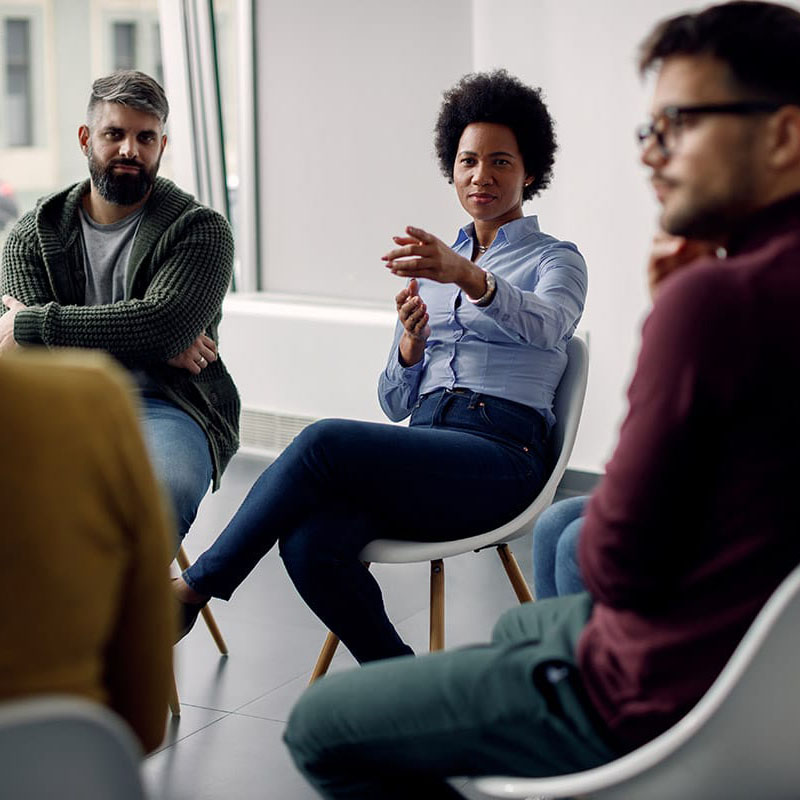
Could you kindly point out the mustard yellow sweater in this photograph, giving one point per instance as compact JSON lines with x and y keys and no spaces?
{"x":84,"y":541}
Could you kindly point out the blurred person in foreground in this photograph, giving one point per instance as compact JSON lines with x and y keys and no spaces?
{"x":83,"y":554}
{"x":694,"y":525}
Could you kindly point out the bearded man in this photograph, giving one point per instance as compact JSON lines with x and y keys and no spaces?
{"x":128,"y":263}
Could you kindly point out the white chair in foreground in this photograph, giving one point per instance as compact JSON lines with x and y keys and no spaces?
{"x":742,"y":740}
{"x":567,"y":406}
{"x":66,"y":747}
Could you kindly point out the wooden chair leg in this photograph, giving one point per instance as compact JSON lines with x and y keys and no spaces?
{"x":183,"y":559}
{"x":208,"y":617}
{"x":437,"y":605}
{"x":174,"y":702}
{"x":515,"y":575}
{"x":325,"y":657}
{"x":214,"y":630}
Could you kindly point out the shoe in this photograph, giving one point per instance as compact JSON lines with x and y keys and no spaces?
{"x":187,"y":616}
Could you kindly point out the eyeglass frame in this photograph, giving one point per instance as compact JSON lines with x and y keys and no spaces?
{"x":673,"y":113}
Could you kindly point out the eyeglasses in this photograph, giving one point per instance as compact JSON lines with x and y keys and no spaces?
{"x":669,"y":124}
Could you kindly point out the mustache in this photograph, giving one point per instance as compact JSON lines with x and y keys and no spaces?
{"x":125,"y":162}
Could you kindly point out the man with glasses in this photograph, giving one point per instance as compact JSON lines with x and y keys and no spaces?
{"x":693,"y":526}
{"x":128,"y":263}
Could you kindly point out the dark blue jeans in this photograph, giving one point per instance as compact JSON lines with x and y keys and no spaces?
{"x":466,"y":464}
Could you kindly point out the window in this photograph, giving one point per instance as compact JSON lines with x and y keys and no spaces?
{"x":19,"y":125}
{"x":158,"y":61}
{"x":124,"y":54}
{"x":50,"y":52}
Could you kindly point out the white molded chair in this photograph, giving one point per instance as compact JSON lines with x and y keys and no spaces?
{"x":56,"y":746}
{"x":741,"y":741}
{"x":567,"y":407}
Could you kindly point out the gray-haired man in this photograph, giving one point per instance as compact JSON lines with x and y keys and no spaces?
{"x":128,"y":263}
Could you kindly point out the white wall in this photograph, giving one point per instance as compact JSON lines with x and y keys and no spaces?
{"x":349,"y":92}
{"x":348,"y":95}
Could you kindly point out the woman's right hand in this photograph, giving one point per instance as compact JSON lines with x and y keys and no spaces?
{"x":413,"y":314}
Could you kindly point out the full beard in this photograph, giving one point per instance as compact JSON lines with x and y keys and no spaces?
{"x":711,"y":215}
{"x":707,"y":221}
{"x":121,"y":189}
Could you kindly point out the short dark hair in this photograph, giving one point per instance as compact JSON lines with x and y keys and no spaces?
{"x":129,"y":87}
{"x":758,"y":42}
{"x":503,"y":99}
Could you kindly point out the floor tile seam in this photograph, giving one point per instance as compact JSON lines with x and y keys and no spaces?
{"x":259,"y":717}
{"x":197,"y":730}
{"x":270,"y":691}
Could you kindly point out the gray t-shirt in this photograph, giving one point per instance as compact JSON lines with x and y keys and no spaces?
{"x":107,"y":249}
{"x":107,"y":252}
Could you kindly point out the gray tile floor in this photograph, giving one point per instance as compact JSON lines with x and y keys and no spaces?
{"x":227,"y":745}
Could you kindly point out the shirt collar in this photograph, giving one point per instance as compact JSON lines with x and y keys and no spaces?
{"x":511,"y":232}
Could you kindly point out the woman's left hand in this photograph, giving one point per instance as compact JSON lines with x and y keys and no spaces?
{"x":421,"y":255}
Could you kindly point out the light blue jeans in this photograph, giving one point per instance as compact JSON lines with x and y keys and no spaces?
{"x":180,"y":457}
{"x":555,"y":549}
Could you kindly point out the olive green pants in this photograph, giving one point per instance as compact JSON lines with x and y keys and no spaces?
{"x":398,"y":728}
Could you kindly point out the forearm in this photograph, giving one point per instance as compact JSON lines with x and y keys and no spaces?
{"x":398,"y":384}
{"x":137,"y":332}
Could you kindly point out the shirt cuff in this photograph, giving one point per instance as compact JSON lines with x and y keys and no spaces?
{"x":29,"y":325}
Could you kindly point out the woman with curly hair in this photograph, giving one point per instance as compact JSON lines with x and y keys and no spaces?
{"x":478,"y":352}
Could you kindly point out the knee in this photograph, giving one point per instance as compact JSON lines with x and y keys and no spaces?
{"x":185,"y":490}
{"x":567,"y":549}
{"x":306,"y":720}
{"x":324,"y":436}
{"x":512,"y":625}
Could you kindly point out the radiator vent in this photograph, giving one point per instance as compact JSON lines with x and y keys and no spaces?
{"x":269,"y":432}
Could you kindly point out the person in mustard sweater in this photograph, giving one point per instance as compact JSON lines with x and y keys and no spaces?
{"x":85,"y":539}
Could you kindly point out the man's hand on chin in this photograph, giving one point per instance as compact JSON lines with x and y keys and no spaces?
{"x":7,"y":342}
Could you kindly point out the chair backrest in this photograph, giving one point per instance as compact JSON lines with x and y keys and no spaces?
{"x":739,"y":741}
{"x":567,"y":407}
{"x":56,"y":746}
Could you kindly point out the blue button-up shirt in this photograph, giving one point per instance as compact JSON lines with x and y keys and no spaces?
{"x":515,"y":347}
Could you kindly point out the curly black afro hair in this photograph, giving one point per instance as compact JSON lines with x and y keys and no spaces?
{"x":503,"y":99}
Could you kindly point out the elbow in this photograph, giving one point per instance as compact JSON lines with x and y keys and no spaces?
{"x":392,"y":413}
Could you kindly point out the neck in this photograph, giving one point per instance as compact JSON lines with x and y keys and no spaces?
{"x":486,"y":230}
{"x":105,"y":213}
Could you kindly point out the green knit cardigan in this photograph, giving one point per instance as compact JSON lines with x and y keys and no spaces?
{"x":179,"y":271}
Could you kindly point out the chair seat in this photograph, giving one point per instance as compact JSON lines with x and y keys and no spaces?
{"x":64,"y":746}
{"x":396,"y":551}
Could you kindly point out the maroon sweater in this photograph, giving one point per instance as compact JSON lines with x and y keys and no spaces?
{"x":697,"y":521}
